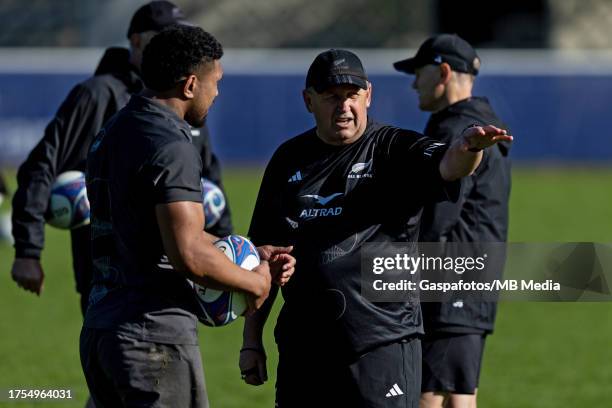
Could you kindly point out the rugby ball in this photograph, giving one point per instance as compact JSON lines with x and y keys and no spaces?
{"x":213,"y":201}
{"x":219,"y":308}
{"x":68,"y":204}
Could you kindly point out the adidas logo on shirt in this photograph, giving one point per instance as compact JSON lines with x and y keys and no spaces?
{"x":395,"y":391}
{"x":296,"y":177}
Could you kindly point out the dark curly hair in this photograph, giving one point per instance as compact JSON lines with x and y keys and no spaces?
{"x":176,"y":52}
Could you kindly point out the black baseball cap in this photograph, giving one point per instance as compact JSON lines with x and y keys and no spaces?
{"x":336,"y":67}
{"x":449,"y":48}
{"x":154,"y":16}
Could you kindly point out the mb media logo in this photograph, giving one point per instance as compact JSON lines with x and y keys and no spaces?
{"x":309,"y":213}
{"x":395,"y":391}
{"x":361,"y":170}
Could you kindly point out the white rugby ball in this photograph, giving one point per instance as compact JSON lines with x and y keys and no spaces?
{"x":213,"y":201}
{"x":218,"y":308}
{"x":68,"y":204}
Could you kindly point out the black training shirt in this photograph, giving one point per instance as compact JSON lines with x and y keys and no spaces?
{"x":479,"y":215}
{"x":329,"y":200}
{"x":141,"y":158}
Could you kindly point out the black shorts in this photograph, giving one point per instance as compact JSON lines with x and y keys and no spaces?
{"x":388,"y":376}
{"x":124,"y":372}
{"x":451,"y":362}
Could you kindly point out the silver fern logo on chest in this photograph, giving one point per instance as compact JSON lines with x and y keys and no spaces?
{"x":361,"y":170}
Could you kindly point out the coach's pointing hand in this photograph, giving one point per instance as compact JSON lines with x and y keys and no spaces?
{"x":476,"y":138}
{"x":465,"y":153}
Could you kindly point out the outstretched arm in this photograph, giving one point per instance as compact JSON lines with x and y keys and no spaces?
{"x":465,"y":153}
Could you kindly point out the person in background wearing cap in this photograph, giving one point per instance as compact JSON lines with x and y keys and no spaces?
{"x":66,"y":141}
{"x":445,"y":67}
{"x":328,"y":191}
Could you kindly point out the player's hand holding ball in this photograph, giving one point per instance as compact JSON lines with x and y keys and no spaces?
{"x":254,"y":302}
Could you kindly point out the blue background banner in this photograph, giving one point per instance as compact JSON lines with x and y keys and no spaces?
{"x":554,"y":118}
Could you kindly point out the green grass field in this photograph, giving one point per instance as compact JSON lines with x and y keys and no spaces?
{"x":542,"y":354}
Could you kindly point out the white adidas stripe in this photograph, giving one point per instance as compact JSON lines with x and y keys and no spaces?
{"x":397,"y":389}
{"x":394,"y":391}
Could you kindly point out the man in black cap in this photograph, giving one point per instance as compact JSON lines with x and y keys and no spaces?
{"x":66,"y":140}
{"x":328,"y":191}
{"x":445,"y":67}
